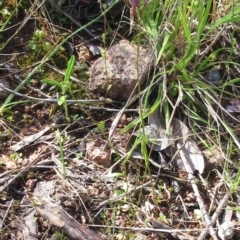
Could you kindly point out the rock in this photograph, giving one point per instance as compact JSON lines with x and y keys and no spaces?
{"x":4,"y":93}
{"x":116,"y":75}
{"x":99,"y":152}
{"x":214,"y":77}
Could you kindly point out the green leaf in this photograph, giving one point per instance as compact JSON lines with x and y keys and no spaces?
{"x":66,"y":85}
{"x":118,"y":192}
{"x":109,"y":87}
{"x":185,"y":25}
{"x":47,"y":46}
{"x":152,"y":29}
{"x":5,"y":12}
{"x":62,"y":100}
{"x":101,"y":126}
{"x":70,"y":68}
{"x":164,"y":44}
{"x":32,"y":45}
{"x":51,"y":82}
{"x":39,"y":34}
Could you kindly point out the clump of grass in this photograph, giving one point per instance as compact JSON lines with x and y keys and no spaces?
{"x":185,"y":38}
{"x":190,"y":39}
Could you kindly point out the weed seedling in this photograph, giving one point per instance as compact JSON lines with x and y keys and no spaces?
{"x":66,"y":85}
{"x":38,"y":43}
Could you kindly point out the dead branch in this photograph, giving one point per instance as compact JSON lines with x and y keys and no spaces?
{"x":61,"y":219}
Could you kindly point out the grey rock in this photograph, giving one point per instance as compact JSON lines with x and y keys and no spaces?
{"x":116,"y":74}
{"x":214,"y":77}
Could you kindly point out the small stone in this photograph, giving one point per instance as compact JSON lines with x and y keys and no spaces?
{"x":124,"y":66}
{"x":99,"y":152}
{"x":4,"y":93}
{"x":214,"y":77}
{"x":59,"y":119}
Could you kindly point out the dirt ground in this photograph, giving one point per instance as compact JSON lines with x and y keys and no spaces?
{"x":51,"y":187}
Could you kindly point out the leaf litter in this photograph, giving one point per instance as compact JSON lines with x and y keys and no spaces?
{"x":163,"y":201}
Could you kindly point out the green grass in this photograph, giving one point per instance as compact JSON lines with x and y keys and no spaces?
{"x":188,"y":40}
{"x":180,"y":33}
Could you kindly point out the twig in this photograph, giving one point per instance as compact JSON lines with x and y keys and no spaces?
{"x":60,"y":218}
{"x":191,"y":179}
{"x":54,"y":100}
{"x":2,"y":221}
{"x":216,"y":214}
{"x":148,"y":229}
{"x":184,"y":206}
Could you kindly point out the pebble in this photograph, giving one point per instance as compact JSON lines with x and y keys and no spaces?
{"x":214,"y":77}
{"x":59,"y":119}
